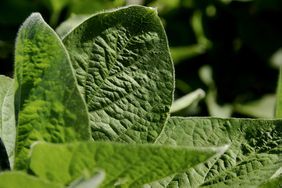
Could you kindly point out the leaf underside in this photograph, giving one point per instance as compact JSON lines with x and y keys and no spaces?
{"x":125,"y":73}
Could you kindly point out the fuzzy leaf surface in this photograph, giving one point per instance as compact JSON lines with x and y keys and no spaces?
{"x":7,"y":116}
{"x":125,"y":73}
{"x":49,"y":105}
{"x":131,"y":165}
{"x":253,"y":157}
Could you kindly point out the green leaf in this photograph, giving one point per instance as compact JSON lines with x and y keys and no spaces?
{"x":125,"y":73}
{"x":4,"y":160}
{"x":49,"y":105}
{"x":129,"y":164}
{"x":7,"y":116}
{"x":16,"y":179}
{"x":254,"y":155}
{"x":278,"y":113}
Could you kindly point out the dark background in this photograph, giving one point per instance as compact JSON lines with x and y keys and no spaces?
{"x":230,"y":49}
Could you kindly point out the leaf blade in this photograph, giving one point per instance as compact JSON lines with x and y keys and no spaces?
{"x":125,"y":73}
{"x":129,"y":164}
{"x":255,"y":143}
{"x":49,"y":106}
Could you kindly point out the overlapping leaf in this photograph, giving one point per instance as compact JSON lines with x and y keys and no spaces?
{"x":252,"y":159}
{"x":49,"y":105}
{"x":124,"y":164}
{"x":125,"y":73}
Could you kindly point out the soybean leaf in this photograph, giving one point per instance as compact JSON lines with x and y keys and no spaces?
{"x":7,"y":116}
{"x":253,"y":157}
{"x":15,"y":179}
{"x":125,"y":73}
{"x":124,"y":164}
{"x":4,"y":160}
{"x":49,"y":105}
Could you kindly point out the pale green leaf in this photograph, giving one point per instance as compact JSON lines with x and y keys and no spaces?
{"x":124,"y":164}
{"x":16,"y":179}
{"x":49,"y":105}
{"x":93,"y":182}
{"x":255,"y":150}
{"x":125,"y":73}
{"x":262,"y":108}
{"x":7,"y":116}
{"x":187,"y":100}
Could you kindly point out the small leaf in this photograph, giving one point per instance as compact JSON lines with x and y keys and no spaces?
{"x":7,"y":116}
{"x":125,"y":73}
{"x":16,"y":179}
{"x":254,"y":155}
{"x":49,"y":105}
{"x":129,"y":164}
{"x":4,"y":161}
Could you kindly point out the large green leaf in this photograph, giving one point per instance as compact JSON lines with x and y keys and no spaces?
{"x":125,"y":73}
{"x":253,"y":157}
{"x":16,"y":179}
{"x":7,"y":116}
{"x":129,"y":164}
{"x":49,"y":105}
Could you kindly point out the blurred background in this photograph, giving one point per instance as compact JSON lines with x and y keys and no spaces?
{"x":226,"y":52}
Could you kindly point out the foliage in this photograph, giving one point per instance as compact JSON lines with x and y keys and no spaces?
{"x":111,"y":76}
